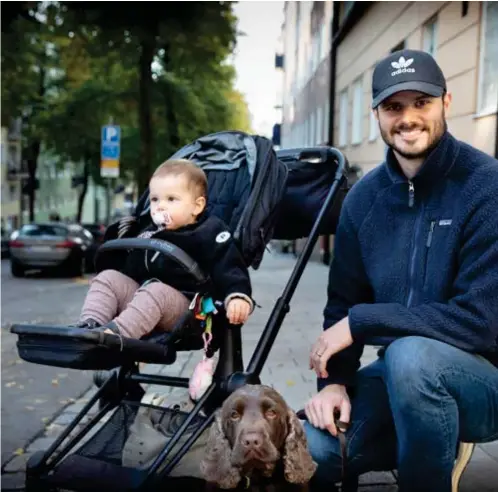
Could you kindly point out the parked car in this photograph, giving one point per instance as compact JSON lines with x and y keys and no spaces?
{"x":49,"y":245}
{"x":97,"y":231}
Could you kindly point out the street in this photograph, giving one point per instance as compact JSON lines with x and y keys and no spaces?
{"x":41,"y":395}
{"x":32,"y":394}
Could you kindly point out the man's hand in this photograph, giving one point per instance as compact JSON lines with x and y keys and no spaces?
{"x":320,"y":409}
{"x":332,"y":340}
{"x":238,"y":311}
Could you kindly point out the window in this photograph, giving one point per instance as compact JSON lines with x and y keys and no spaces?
{"x":326,"y":110}
{"x":374,"y":128}
{"x":343,"y":118}
{"x":488,"y":63}
{"x":319,"y":125}
{"x":323,"y":41}
{"x":430,"y":37}
{"x":357,"y":120}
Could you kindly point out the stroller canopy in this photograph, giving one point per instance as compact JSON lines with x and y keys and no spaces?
{"x":259,"y":195}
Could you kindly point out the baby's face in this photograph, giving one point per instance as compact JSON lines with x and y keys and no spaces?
{"x":172,"y":203}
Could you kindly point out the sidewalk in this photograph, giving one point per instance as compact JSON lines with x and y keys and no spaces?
{"x":286,"y":369}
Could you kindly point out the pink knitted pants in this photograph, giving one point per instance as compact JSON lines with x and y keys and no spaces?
{"x":136,"y":310}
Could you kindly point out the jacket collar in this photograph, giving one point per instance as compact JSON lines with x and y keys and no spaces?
{"x":437,"y":164}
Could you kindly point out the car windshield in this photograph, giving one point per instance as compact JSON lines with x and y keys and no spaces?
{"x":43,"y":230}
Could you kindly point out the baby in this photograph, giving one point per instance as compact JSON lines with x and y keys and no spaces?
{"x":146,"y":293}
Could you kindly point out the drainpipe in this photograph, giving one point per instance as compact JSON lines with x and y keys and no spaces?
{"x":332,"y":77}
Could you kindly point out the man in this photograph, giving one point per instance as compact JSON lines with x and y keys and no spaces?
{"x":415,"y":270}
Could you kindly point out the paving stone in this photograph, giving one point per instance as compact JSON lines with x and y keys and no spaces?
{"x":491,"y":448}
{"x":13,"y":481}
{"x":17,"y":463}
{"x":41,"y":444}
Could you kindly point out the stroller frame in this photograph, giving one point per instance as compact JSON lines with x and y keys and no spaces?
{"x":124,"y":381}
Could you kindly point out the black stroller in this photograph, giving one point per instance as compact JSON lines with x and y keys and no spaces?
{"x":262,"y":195}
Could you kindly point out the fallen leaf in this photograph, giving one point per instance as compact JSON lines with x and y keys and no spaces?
{"x":30,"y":408}
{"x":19,"y":451}
{"x":9,"y":385}
{"x":62,"y":375}
{"x":290,"y":382}
{"x":38,"y":401}
{"x":55,"y":382}
{"x":45,"y":419}
{"x":21,"y":386}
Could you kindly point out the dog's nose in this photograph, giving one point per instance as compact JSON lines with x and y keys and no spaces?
{"x":252,"y":440}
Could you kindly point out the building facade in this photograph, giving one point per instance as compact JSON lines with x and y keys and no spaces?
{"x":306,"y":36}
{"x":462,"y":37}
{"x":329,"y":53}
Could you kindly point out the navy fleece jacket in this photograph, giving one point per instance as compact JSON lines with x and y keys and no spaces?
{"x":418,"y":257}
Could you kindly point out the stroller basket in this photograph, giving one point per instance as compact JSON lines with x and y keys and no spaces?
{"x":257,"y":198}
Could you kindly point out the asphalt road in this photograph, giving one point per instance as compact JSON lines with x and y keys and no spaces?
{"x":32,"y":394}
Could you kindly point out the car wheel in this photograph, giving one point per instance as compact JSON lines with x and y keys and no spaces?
{"x":16,"y":269}
{"x":77,"y":268}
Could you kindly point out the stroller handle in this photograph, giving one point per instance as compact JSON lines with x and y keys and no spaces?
{"x":158,"y":245}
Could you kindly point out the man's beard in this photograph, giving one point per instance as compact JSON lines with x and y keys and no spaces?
{"x":440,"y":128}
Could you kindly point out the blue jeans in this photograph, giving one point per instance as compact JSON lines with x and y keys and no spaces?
{"x":410,"y":409}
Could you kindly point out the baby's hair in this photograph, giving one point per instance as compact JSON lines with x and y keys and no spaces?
{"x":196,"y":177}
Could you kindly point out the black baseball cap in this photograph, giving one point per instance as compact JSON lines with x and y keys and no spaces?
{"x":407,"y":70}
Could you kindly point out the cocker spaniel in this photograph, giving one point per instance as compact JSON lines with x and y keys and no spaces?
{"x":256,"y":440}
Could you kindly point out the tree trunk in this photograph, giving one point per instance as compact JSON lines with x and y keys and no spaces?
{"x":148,"y":48}
{"x":171,"y":119}
{"x":32,"y":161}
{"x":84,"y":189}
{"x":34,"y":146}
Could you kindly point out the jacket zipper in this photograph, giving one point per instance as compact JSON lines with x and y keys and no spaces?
{"x":411,"y":202}
{"x":411,"y":194}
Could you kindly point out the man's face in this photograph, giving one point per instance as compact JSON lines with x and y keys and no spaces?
{"x":412,"y":123}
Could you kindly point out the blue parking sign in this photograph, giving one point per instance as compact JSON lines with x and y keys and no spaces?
{"x":110,"y":142}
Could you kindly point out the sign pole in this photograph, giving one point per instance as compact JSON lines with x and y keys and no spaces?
{"x":109,"y":158}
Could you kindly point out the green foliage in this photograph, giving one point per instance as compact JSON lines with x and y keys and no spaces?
{"x":88,"y":59}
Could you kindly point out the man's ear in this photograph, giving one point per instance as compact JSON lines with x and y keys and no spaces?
{"x":447,"y":98}
{"x":200,"y":205}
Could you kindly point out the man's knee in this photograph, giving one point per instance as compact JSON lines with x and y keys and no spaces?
{"x":324,"y":450}
{"x":414,"y":365}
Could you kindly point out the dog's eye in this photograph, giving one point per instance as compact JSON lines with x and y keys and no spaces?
{"x":270,"y":414}
{"x":235,"y":415}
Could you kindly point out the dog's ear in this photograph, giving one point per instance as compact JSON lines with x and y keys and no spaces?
{"x":299,"y":466}
{"x":216,"y":466}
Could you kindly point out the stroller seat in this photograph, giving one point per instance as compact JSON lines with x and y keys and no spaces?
{"x":261,"y":195}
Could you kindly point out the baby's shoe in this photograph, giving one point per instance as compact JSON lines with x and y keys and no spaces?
{"x":88,"y":324}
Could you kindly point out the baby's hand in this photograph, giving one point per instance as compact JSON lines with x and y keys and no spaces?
{"x":238,"y":311}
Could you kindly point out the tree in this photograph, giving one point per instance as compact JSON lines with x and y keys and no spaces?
{"x":162,"y":31}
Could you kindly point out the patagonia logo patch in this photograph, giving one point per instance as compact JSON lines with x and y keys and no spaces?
{"x":445,"y":222}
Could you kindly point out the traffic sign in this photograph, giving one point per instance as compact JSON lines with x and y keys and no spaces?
{"x":110,"y":150}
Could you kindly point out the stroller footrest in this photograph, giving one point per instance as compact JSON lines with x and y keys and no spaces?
{"x":78,"y":348}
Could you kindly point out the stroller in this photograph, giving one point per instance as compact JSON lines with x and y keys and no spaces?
{"x":262,"y":195}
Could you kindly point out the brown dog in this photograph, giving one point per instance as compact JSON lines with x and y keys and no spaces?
{"x":256,"y":439}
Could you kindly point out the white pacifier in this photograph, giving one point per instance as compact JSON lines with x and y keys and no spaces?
{"x":161,"y":218}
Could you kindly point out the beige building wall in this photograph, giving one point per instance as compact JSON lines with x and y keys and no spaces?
{"x":457,"y":50}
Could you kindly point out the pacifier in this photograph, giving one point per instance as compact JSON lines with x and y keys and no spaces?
{"x":161,"y":218}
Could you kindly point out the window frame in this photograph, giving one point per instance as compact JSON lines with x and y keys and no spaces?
{"x":343,"y":117}
{"x":480,"y":111}
{"x":357,"y":112}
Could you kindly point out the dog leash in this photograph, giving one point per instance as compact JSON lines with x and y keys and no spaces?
{"x":342,"y":427}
